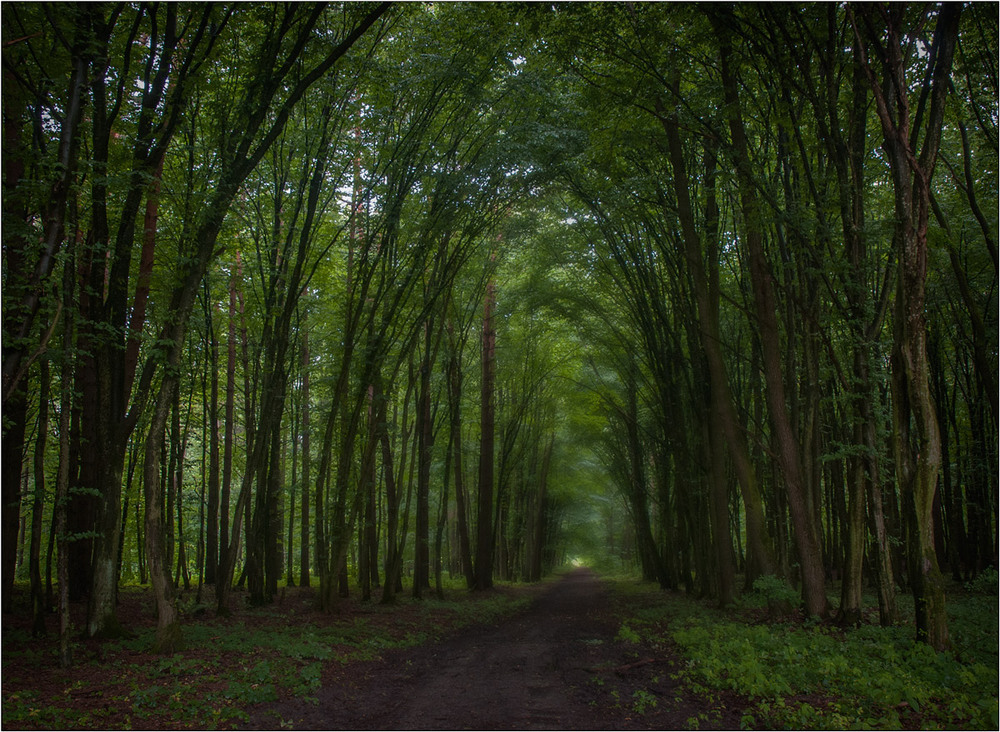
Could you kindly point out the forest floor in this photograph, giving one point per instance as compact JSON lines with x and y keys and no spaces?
{"x":543,"y":656}
{"x":558,"y":664}
{"x":577,"y":651}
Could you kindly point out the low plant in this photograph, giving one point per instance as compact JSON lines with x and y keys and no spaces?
{"x":820,"y":678}
{"x":642,"y":701}
{"x":985,"y":583}
{"x":805,"y":675}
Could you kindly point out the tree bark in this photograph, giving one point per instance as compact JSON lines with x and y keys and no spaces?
{"x":706,"y":290}
{"x":484,"y":523}
{"x":38,"y":608}
{"x":421,"y":571}
{"x":916,"y":435}
{"x":169,"y":638}
{"x":455,"y":425}
{"x":211,"y":557}
{"x":788,"y":455}
{"x":304,"y":578}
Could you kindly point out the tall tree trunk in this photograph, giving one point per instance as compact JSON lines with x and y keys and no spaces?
{"x":35,"y":572}
{"x":293,"y":491}
{"x":228,"y":446}
{"x":211,"y":555}
{"x":539,"y":507}
{"x":484,"y":527}
{"x":61,"y":503}
{"x":788,"y":456}
{"x":916,"y":435}
{"x":442,"y":521}
{"x":455,"y":424}
{"x":306,"y":460}
{"x":15,"y":415}
{"x":169,"y":638}
{"x":19,"y":321}
{"x":705,"y":282}
{"x":421,"y":571}
{"x":366,"y":562}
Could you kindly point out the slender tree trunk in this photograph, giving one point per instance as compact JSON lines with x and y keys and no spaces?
{"x":60,"y":506}
{"x":484,"y":528}
{"x":539,"y":506}
{"x":230,"y":428}
{"x":718,"y":493}
{"x":788,"y":455}
{"x":19,"y":321}
{"x":396,"y":538}
{"x":211,"y":555}
{"x":37,"y":504}
{"x":917,"y":452}
{"x":455,"y":416}
{"x":168,"y":632}
{"x":442,"y":521}
{"x":306,"y":461}
{"x":15,"y":418}
{"x":421,"y":572}
{"x":707,"y":294}
{"x":851,"y":586}
{"x":366,"y":562}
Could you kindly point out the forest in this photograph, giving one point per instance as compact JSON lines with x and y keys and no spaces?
{"x":371,"y":298}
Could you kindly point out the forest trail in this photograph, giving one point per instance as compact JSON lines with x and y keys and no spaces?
{"x":555,"y":665}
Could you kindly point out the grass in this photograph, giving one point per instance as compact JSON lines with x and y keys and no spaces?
{"x":806,"y":675}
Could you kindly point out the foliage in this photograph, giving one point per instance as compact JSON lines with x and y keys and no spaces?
{"x":772,"y":589}
{"x":818,"y":676}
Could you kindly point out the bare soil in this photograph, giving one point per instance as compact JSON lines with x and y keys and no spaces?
{"x":556,"y":665}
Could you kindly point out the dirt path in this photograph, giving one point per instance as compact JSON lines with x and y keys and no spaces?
{"x":557,"y":665}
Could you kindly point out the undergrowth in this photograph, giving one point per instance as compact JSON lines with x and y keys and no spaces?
{"x":227,"y":666}
{"x":808,"y":675}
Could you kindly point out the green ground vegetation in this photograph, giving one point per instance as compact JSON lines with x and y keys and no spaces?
{"x":804,"y":675}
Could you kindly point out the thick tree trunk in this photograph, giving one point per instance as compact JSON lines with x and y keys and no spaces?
{"x":101,"y":609}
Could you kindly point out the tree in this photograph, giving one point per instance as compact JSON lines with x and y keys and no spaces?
{"x":918,"y":452}
{"x":806,"y":534}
